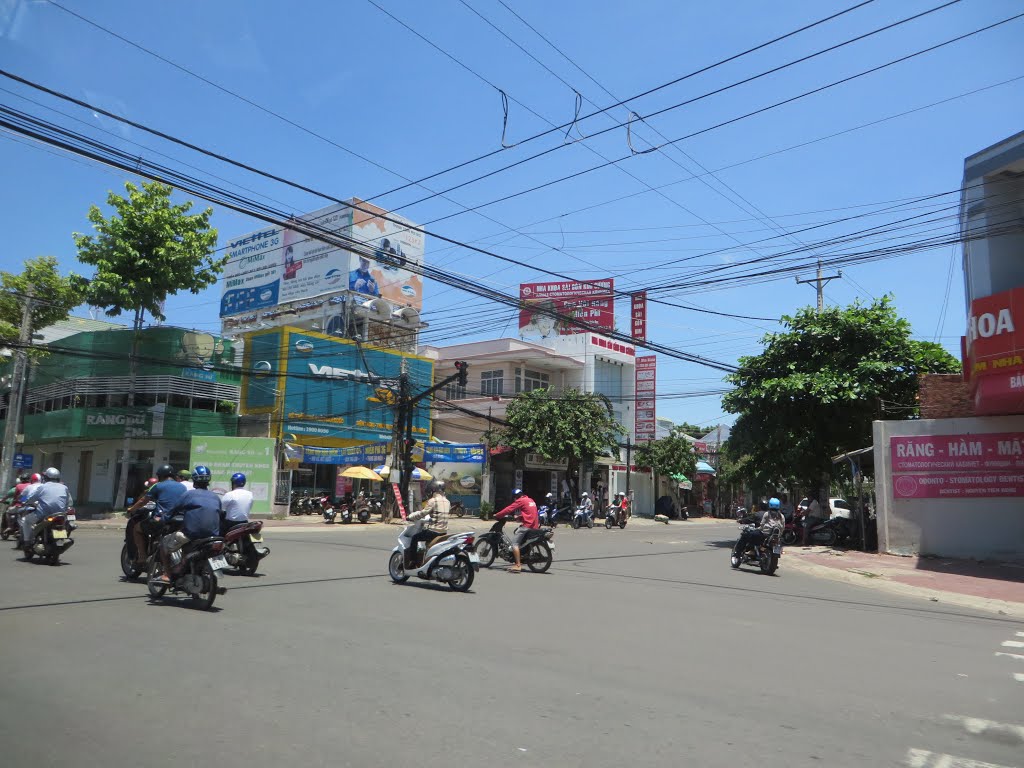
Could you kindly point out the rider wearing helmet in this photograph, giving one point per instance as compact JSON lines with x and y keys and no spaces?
{"x":185,"y":478}
{"x":237,"y":503}
{"x":199,"y":511}
{"x":34,"y":481}
{"x":439,"y":508}
{"x":526,"y":508}
{"x":587,"y":505}
{"x":51,"y":497}
{"x":772,"y":518}
{"x":165,"y":492}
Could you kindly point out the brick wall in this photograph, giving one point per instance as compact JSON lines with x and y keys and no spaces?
{"x":945,"y":396}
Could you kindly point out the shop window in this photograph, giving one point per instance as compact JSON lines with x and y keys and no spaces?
{"x":119,"y":400}
{"x":145,"y":399}
{"x":492,"y":382}
{"x":180,"y":401}
{"x":535,"y":380}
{"x":95,"y":401}
{"x":519,"y":380}
{"x":204,"y":404}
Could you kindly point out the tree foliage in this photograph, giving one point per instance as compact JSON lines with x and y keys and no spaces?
{"x":573,"y":425}
{"x":146,"y":250}
{"x":693,"y":430}
{"x":669,"y":456}
{"x":55,"y":295}
{"x":815,"y":389}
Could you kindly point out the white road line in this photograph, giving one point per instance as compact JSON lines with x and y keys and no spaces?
{"x":1019,"y":677}
{"x":922,"y":758}
{"x":1006,"y":733}
{"x":1016,"y":656}
{"x":1012,"y":644}
{"x":1020,"y":634}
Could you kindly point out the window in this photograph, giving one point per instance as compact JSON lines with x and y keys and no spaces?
{"x":454,"y":392}
{"x":180,"y":401}
{"x":535,"y":380}
{"x":117,"y":400}
{"x":608,"y":380}
{"x":492,"y":382}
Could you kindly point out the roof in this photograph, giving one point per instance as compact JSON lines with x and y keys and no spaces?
{"x":64,"y":328}
{"x":717,"y":435}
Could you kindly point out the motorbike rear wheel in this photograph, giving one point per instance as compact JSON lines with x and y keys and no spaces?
{"x":590,"y":522}
{"x":464,"y":580}
{"x":538,"y":556}
{"x":769,"y":564}
{"x":396,"y":568}
{"x":622,"y":523}
{"x":210,"y":581}
{"x":826,"y":537}
{"x":789,"y":537}
{"x":485,"y":550}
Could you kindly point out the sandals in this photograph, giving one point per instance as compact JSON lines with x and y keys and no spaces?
{"x":515,"y":569}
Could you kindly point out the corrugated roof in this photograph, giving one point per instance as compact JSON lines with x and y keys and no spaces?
{"x":73,"y":325}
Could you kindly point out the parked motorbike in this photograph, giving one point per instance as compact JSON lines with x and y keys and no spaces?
{"x":152,"y":527}
{"x":536,"y":553}
{"x":451,"y":561}
{"x":615,"y":516}
{"x":458,"y":509}
{"x":582,"y":518}
{"x":196,"y":570}
{"x":243,"y":547}
{"x":328,"y":509}
{"x":51,"y":536}
{"x":765,"y":555}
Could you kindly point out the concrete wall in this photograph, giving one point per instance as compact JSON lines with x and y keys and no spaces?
{"x":983,"y":529}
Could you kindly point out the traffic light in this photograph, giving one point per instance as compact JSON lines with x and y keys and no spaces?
{"x":463,"y":368}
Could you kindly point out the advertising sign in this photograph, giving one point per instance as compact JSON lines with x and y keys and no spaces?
{"x":592,"y":302}
{"x":646,"y":397}
{"x":638,"y":315}
{"x":275,"y":266}
{"x":22,"y":461}
{"x":958,"y":466}
{"x":460,"y":468}
{"x":253,"y":456}
{"x":994,"y":345}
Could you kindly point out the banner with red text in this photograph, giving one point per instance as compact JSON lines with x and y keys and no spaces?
{"x":591,"y":302}
{"x":638,"y":315}
{"x":958,"y":466}
{"x":646,"y":397}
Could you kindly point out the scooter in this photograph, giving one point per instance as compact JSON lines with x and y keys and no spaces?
{"x":11,"y":522}
{"x":615,"y":516}
{"x":243,"y":547}
{"x":582,"y":517}
{"x":51,"y":537}
{"x":451,"y":561}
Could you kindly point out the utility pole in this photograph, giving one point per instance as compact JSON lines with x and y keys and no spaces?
{"x":821,"y":281}
{"x":629,"y":469}
{"x":17,"y":395}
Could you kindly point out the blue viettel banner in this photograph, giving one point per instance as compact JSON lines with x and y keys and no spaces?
{"x":465,"y":453}
{"x":374,"y":454}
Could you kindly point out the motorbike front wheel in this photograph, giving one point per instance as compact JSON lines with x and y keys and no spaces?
{"x":575,"y":523}
{"x":485,"y":551}
{"x":464,"y":580}
{"x":538,"y":557}
{"x":735,"y":560}
{"x":128,"y":565}
{"x":156,"y":589}
{"x":608,"y":522}
{"x":396,"y":568}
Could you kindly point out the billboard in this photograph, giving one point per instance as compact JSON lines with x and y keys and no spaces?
{"x":592,"y":302}
{"x":987,"y":465}
{"x":281,"y":269}
{"x":254,"y":456}
{"x":638,"y":315}
{"x":646,"y":397}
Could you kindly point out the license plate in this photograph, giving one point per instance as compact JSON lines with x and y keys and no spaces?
{"x":72,"y":518}
{"x":777,"y":549}
{"x":59,"y":534}
{"x":218,"y":563}
{"x":473,"y":558}
{"x":256,"y":538}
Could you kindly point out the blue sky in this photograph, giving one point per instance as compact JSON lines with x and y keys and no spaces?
{"x":354,"y":75}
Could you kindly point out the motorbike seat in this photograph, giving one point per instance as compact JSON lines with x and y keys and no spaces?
{"x":199,"y":543}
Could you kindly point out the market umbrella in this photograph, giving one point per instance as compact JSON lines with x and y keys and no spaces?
{"x":417,"y":473}
{"x":362,"y":473}
{"x":383,"y":470}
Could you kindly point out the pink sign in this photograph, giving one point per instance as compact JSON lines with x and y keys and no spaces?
{"x":959,"y":486}
{"x":591,"y":302}
{"x":646,"y":398}
{"x":965,"y":453}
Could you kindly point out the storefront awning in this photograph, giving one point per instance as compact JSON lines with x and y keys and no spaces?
{"x":679,"y":477}
{"x":703,"y":468}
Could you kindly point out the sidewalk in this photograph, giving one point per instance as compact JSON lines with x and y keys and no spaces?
{"x":997,"y":587}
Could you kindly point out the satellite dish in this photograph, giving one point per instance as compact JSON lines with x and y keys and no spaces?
{"x":376,"y":309}
{"x":406,"y":315}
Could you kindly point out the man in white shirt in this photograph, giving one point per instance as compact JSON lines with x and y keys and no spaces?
{"x":236,"y":503}
{"x":185,"y":478}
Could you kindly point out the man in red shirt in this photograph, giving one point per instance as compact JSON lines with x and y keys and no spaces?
{"x":524,"y":508}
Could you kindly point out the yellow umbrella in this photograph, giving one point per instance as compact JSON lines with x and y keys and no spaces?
{"x":362,"y":473}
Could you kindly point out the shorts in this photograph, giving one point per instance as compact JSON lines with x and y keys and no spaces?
{"x":172,"y":542}
{"x":519,"y":537}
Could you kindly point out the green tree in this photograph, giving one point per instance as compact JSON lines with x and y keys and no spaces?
{"x":573,"y":425}
{"x":669,"y":456}
{"x":815,"y":389}
{"x":145,"y":251}
{"x":54,"y":296}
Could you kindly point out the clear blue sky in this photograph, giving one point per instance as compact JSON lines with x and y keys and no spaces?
{"x":352,"y":74}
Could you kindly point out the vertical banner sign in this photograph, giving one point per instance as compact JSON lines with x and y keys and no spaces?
{"x":398,"y":497}
{"x":646,"y":385}
{"x":638,"y":315}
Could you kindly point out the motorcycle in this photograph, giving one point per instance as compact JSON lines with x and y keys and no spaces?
{"x":243,"y":547}
{"x":765,"y":555}
{"x":152,"y":527}
{"x":51,"y":537}
{"x":536,"y":553}
{"x":582,"y":517}
{"x":546,"y":515}
{"x":458,"y":508}
{"x":615,"y":516}
{"x":10,"y":524}
{"x":196,"y":570}
{"x":330,"y":511}
{"x":451,"y":561}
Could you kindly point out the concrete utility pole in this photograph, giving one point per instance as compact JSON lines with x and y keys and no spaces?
{"x":17,"y":395}
{"x":821,"y":281}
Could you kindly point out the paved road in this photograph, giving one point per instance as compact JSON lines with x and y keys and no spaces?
{"x":641,"y":648}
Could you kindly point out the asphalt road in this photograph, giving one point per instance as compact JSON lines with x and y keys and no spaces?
{"x":640,"y":648}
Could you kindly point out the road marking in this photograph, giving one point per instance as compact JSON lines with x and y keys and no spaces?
{"x":1020,"y":634}
{"x":1002,"y":732}
{"x":1016,"y":656}
{"x":922,"y":758}
{"x":1012,"y":644}
{"x":1019,"y":677}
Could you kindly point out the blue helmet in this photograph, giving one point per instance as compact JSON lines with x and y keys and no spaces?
{"x":201,"y":475}
{"x":238,"y":480}
{"x":774,"y":503}
{"x":517,"y":492}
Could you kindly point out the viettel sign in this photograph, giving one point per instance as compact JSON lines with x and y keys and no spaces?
{"x":995,"y":335}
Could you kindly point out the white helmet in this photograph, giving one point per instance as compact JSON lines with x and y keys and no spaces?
{"x":586,"y":495}
{"x":52,"y":474}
